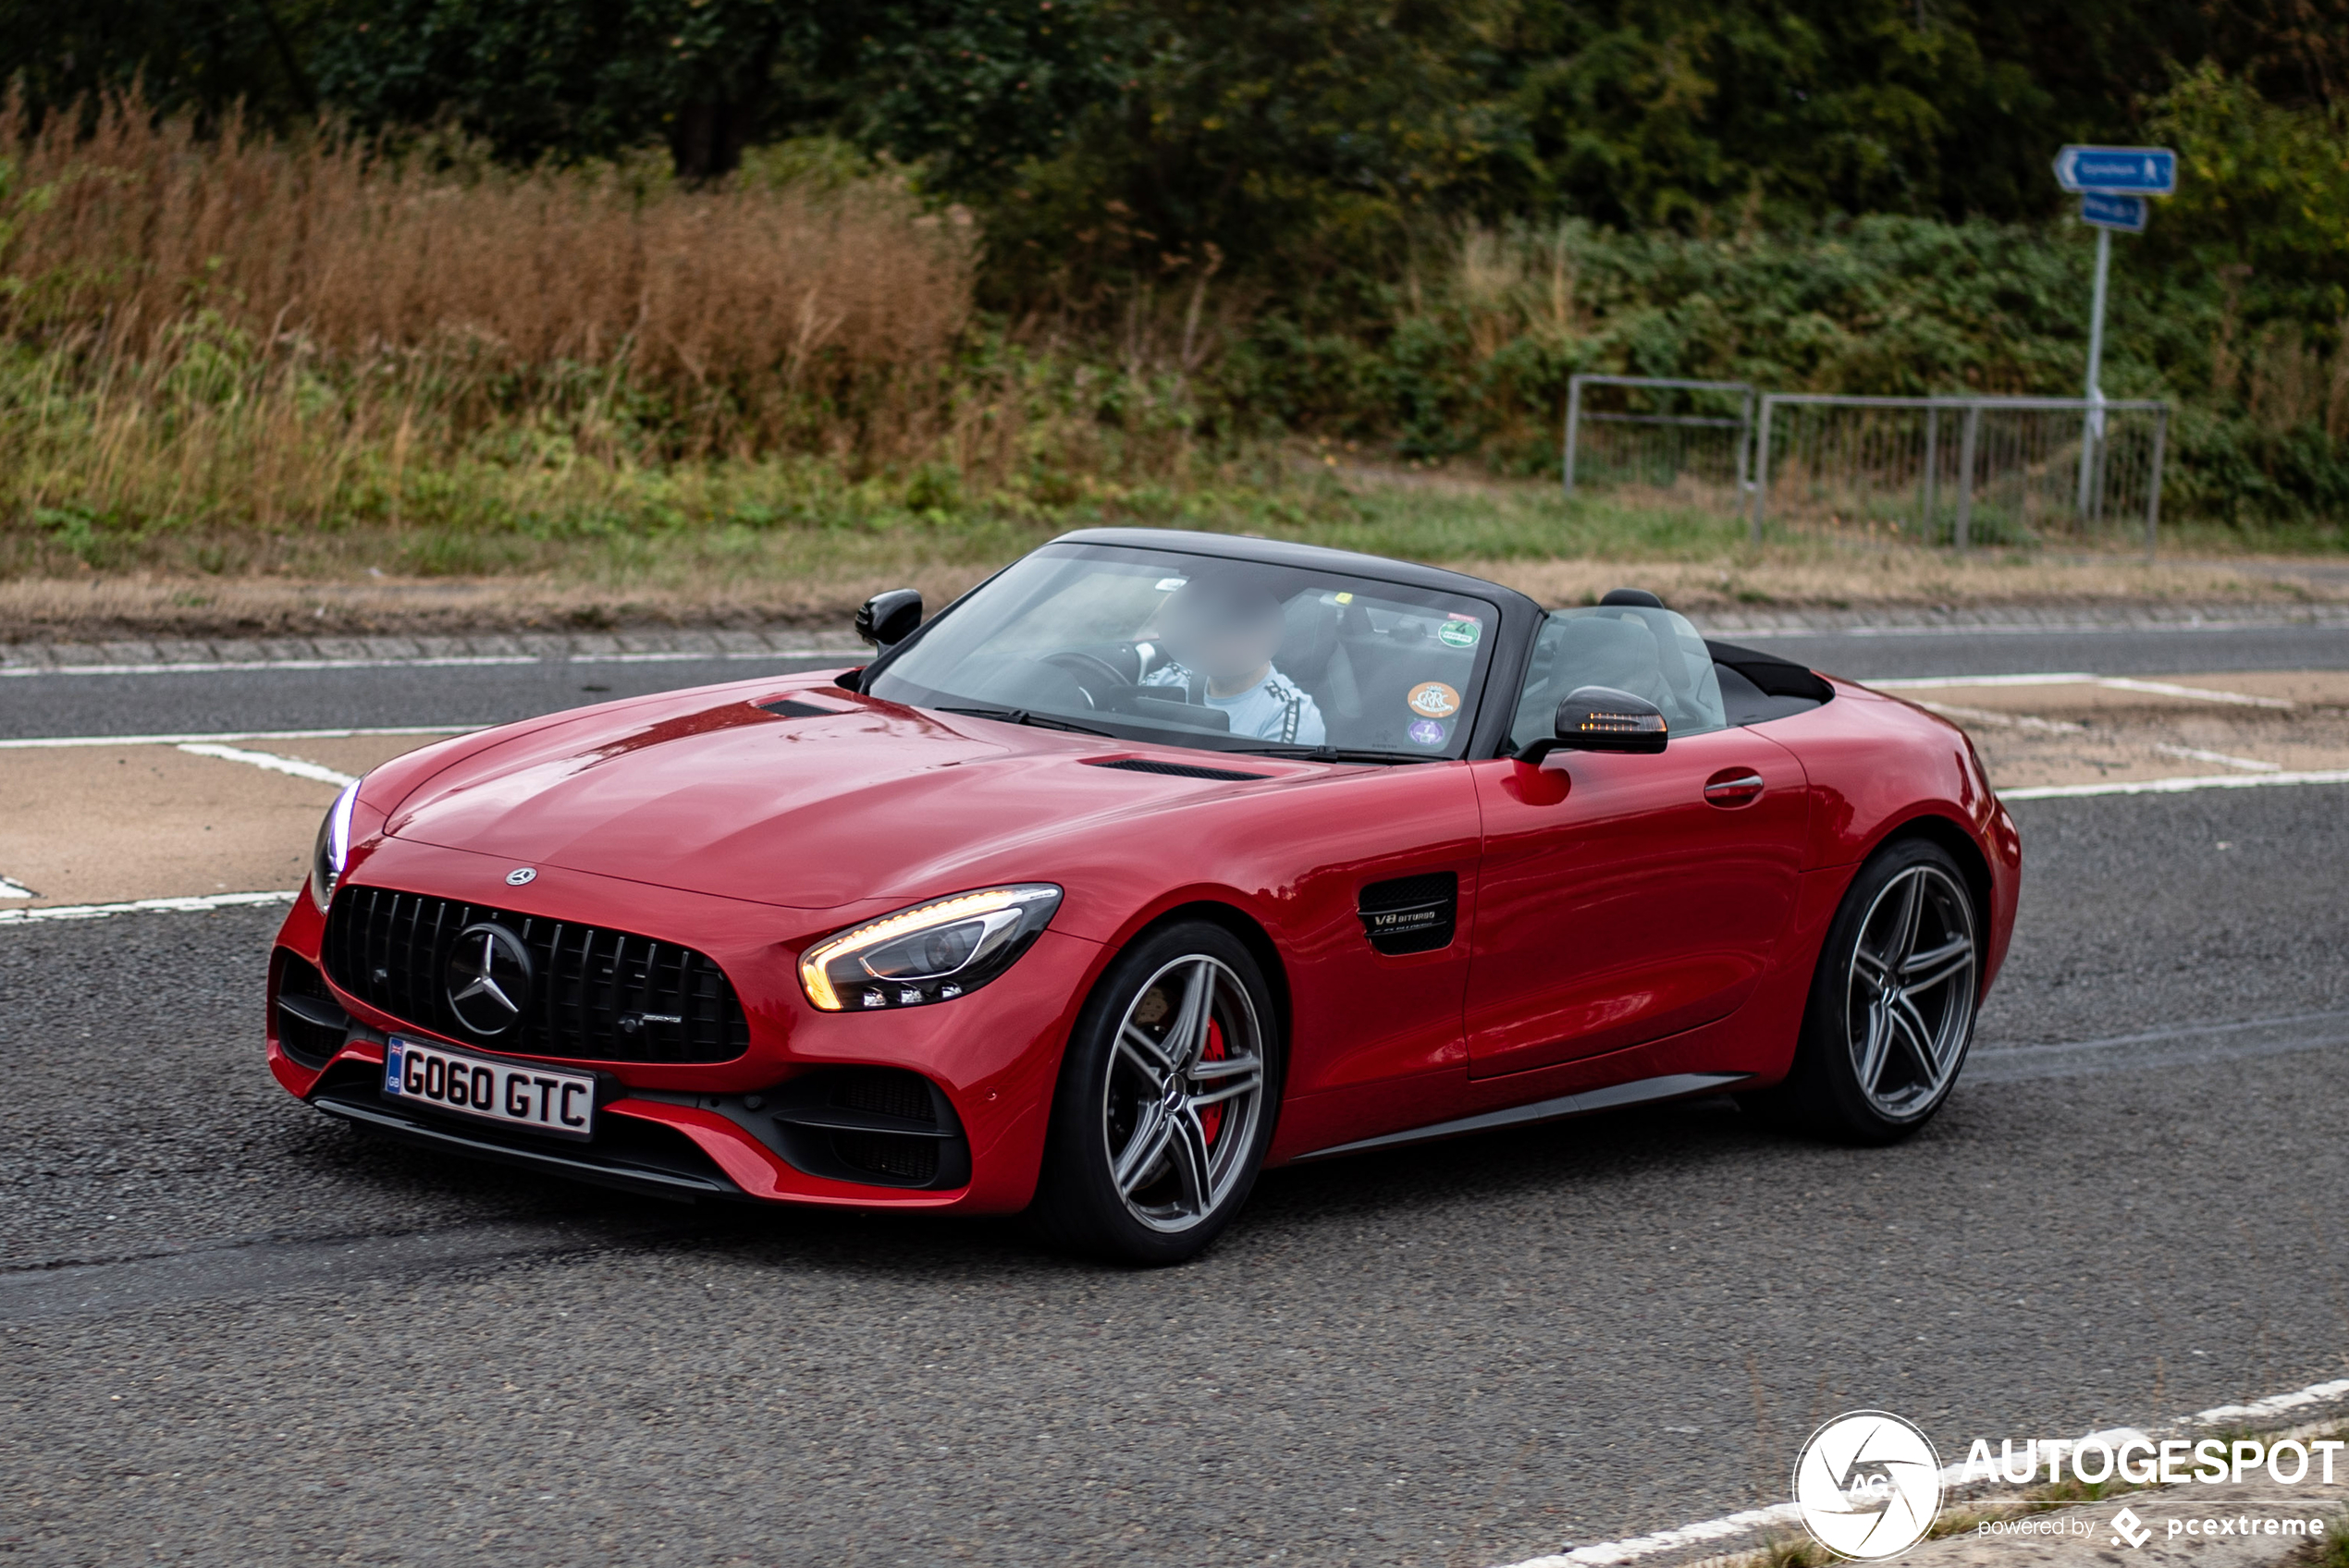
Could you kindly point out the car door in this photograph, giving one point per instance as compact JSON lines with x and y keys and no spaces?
{"x":1624,"y":898}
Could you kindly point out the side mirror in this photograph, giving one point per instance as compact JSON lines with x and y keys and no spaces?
{"x":1600,"y":719}
{"x":889,"y":618}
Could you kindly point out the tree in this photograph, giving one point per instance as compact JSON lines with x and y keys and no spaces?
{"x":204,"y":55}
{"x":582,"y":78}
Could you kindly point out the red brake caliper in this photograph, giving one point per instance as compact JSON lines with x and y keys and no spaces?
{"x":1211,"y":1117}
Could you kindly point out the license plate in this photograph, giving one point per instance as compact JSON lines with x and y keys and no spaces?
{"x":512,"y":1094}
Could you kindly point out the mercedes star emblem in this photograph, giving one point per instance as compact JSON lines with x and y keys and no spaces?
{"x":489,"y":974}
{"x":521,"y":874}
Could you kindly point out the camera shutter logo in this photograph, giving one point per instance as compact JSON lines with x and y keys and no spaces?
{"x":1868,"y":1485}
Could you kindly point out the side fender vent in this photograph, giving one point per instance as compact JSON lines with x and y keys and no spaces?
{"x":1177,"y":769}
{"x":1412,"y":914}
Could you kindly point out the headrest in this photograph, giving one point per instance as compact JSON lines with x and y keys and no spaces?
{"x":1312,"y":636}
{"x":1603,"y":650}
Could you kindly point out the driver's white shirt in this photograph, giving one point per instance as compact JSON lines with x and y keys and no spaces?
{"x":1261,"y":712}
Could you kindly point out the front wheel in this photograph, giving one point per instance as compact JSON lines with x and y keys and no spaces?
{"x":1892,"y":1003}
{"x":1164,"y":1105}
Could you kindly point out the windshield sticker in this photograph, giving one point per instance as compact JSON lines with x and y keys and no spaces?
{"x":1426,"y":732}
{"x":1341,"y":598}
{"x":1460,"y":632}
{"x":1432,"y":699}
{"x":1168,"y":585}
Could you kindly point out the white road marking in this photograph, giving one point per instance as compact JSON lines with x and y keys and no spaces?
{"x":2175,"y":786}
{"x":2164,"y":688}
{"x":142,"y":906}
{"x":1753,"y":1519}
{"x":2248,"y":765}
{"x":1927,"y":682}
{"x":1633,"y":1548}
{"x":14,"y":890}
{"x":2274,"y":1404}
{"x":260,"y":666}
{"x":2004,"y":720}
{"x":2069,"y":628}
{"x":37,"y":742}
{"x":273,"y":763}
{"x":2109,"y":683}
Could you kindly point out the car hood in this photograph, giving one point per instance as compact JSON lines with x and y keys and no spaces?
{"x":857,"y":800}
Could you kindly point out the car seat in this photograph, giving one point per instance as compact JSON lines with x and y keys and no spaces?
{"x":1313,"y":654}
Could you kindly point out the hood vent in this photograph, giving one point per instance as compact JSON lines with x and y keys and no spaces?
{"x":784,"y":707}
{"x":1177,"y":769}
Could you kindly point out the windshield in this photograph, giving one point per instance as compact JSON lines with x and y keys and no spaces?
{"x":1197,"y":651}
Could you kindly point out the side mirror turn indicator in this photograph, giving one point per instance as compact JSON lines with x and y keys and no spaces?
{"x":1600,"y":719}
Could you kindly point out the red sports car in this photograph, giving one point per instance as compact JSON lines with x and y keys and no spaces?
{"x":1156,"y":858}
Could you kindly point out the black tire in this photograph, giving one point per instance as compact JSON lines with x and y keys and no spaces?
{"x":1892,"y":1003}
{"x":1156,"y":1134}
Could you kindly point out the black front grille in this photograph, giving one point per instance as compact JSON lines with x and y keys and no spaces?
{"x":1177,"y":769}
{"x":596,"y":994}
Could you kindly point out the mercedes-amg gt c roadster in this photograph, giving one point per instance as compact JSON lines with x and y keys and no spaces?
{"x":1157,"y":858}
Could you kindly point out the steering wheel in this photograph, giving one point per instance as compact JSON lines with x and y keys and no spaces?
{"x":1095,"y":675}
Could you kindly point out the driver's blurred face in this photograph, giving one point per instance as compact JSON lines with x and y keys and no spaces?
{"x":1224,"y":636}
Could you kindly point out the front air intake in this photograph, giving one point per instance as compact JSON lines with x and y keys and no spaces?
{"x":880,"y":1126}
{"x":312,"y":1025}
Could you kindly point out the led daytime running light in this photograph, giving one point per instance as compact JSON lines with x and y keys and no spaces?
{"x":921,"y":917}
{"x":334,"y":846}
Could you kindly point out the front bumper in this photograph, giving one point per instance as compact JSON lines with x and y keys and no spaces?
{"x":754,"y":1127}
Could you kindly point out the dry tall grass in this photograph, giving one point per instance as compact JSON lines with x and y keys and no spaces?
{"x":755,"y":296}
{"x":226,"y":348}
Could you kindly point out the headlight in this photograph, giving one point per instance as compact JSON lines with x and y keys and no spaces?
{"x":332,"y":849}
{"x":932,"y":952}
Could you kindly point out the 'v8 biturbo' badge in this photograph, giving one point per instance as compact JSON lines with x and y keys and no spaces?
{"x":1432,"y":699}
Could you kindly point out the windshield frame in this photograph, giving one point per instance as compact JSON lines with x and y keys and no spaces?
{"x":1500,"y":661}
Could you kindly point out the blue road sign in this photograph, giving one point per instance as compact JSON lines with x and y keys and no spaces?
{"x":2117,"y":171}
{"x":2126,"y":213}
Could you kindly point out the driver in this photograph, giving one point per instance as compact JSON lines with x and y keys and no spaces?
{"x":1223,"y":631}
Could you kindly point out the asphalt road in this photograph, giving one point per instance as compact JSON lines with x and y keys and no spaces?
{"x":230,"y":1332}
{"x":2105,"y":651}
{"x":263,"y":698}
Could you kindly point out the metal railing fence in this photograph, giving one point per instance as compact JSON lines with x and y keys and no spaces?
{"x":1973,"y":470}
{"x":1653,"y":447}
{"x":1963,"y":471}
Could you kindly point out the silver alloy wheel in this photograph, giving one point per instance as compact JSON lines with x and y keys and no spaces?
{"x":1909,"y":1005}
{"x":1184,"y":1093}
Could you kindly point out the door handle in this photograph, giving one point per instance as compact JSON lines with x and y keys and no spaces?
{"x":1733,"y":787}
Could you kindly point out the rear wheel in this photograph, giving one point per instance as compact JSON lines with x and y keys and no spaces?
{"x":1892,"y":1003}
{"x":1164,"y":1108}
